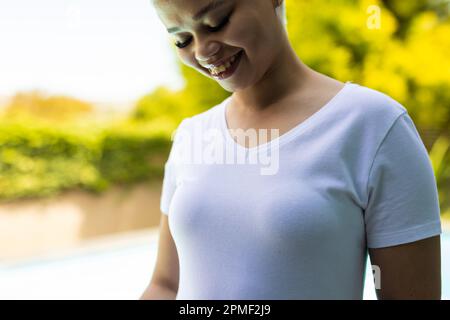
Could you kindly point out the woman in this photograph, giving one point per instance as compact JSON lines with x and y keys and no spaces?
{"x":351,"y":174}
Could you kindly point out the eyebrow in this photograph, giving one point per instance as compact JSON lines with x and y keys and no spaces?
{"x":214,"y":4}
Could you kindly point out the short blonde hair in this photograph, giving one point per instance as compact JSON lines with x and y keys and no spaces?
{"x":281,"y":12}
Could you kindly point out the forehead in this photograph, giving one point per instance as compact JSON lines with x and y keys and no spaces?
{"x":175,"y":11}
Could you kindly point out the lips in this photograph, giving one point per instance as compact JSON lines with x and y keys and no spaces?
{"x":217,"y":68}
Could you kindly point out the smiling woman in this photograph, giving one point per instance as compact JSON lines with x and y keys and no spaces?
{"x":343,"y":188}
{"x":217,"y":19}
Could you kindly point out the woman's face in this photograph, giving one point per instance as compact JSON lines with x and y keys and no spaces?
{"x":232,"y":41}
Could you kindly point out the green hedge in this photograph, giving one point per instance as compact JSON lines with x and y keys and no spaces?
{"x":39,"y":160}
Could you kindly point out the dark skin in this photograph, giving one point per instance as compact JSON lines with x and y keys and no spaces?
{"x":410,"y":271}
{"x":272,"y":88}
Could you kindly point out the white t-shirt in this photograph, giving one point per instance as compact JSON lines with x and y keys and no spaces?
{"x":352,"y":176}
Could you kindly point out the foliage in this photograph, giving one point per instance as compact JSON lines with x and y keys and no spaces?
{"x":40,"y":160}
{"x":440,"y":157}
{"x":160,"y":103}
{"x":407,"y":57}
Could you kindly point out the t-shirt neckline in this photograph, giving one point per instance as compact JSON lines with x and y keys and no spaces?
{"x":287,"y":136}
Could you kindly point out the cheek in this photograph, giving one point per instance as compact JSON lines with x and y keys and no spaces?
{"x":253,"y":37}
{"x":244,"y":37}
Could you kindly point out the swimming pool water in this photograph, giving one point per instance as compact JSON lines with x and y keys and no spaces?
{"x":121,"y":273}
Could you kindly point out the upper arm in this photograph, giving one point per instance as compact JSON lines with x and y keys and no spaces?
{"x":402,"y":216}
{"x":166,"y":271}
{"x":409,"y":271}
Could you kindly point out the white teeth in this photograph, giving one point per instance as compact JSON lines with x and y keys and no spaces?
{"x":219,"y":69}
{"x":222,"y":68}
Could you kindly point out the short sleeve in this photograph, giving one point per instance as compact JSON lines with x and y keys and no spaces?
{"x":403,"y":204}
{"x":169,"y":181}
{"x":168,"y":188}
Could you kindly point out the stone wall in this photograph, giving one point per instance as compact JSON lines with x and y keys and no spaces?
{"x":34,"y":227}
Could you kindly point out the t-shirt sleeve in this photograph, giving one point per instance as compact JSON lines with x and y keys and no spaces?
{"x":169,"y":184}
{"x":168,"y":188}
{"x":403,"y":204}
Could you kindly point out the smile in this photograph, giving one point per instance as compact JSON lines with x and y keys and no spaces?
{"x":225,"y":69}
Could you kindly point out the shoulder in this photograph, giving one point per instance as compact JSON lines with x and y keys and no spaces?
{"x":373,"y":104}
{"x":367,"y":114}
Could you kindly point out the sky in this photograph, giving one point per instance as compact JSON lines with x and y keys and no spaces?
{"x":105,"y":51}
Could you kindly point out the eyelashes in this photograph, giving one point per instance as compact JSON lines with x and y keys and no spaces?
{"x":220,"y":26}
{"x":182,"y":45}
{"x":217,"y":28}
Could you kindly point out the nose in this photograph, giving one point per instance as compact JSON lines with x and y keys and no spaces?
{"x":205,"y":51}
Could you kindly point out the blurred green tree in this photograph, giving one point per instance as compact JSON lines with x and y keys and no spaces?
{"x":406,"y":57}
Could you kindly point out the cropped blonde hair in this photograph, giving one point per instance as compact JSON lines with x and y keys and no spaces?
{"x":281,"y":12}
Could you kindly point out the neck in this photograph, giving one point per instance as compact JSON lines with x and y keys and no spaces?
{"x":287,"y":74}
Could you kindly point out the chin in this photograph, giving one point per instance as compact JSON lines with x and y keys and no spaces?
{"x":232,"y":87}
{"x":229,"y":88}
{"x":237,"y":85}
{"x":241,"y":82}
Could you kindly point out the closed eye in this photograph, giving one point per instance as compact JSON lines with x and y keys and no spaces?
{"x":217,"y":28}
{"x":182,"y":45}
{"x":220,"y":26}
